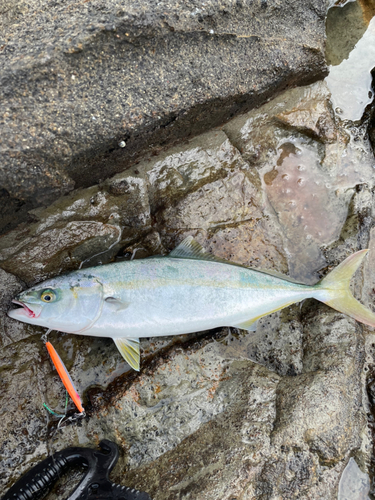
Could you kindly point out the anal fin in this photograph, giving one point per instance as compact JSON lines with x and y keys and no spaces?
{"x":129,"y":349}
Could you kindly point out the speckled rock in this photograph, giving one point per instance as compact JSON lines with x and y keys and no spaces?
{"x":23,"y":428}
{"x":309,"y":167}
{"x":126,"y":214}
{"x":87,"y":87}
{"x":10,"y":330}
{"x":223,"y":414}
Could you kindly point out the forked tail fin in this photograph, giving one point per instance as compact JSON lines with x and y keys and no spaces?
{"x":339,"y":295}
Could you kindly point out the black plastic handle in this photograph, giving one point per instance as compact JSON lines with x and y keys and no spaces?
{"x":36,"y":483}
{"x":95,"y":485}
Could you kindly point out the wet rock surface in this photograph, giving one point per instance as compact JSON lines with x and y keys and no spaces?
{"x":225,"y":414}
{"x":308,"y":167}
{"x":87,"y":87}
{"x":263,"y":414}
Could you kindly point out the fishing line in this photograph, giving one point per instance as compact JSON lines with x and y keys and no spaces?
{"x":107,"y":249}
{"x":70,"y":419}
{"x":45,"y":335}
{"x":57,"y":414}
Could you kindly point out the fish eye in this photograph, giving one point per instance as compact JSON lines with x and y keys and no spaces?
{"x":48,"y":296}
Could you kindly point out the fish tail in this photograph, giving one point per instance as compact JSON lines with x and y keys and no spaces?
{"x":337,"y":292}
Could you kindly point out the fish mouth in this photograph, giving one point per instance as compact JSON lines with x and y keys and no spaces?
{"x":25,"y":311}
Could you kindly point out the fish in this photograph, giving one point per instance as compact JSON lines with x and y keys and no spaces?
{"x":189,"y":290}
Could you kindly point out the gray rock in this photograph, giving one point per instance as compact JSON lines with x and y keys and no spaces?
{"x":10,"y":330}
{"x":317,"y":407}
{"x":67,"y":244}
{"x":172,"y":419}
{"x":301,"y":155}
{"x":345,"y":26}
{"x":23,"y":419}
{"x":222,"y":414}
{"x":86,"y":88}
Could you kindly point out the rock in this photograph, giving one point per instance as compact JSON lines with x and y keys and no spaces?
{"x":67,"y":244}
{"x":90,"y":226}
{"x":166,"y":434}
{"x":10,"y":331}
{"x":316,"y":407}
{"x":85,"y":89}
{"x":301,"y":153}
{"x":350,"y":81}
{"x":185,"y":169}
{"x":218,"y":201}
{"x":24,"y":421}
{"x":367,"y":294}
{"x":23,"y":430}
{"x":227,"y":413}
{"x":87,"y":227}
{"x":345,"y":26}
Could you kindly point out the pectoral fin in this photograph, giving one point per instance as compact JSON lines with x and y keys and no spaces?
{"x":117,"y":304}
{"x":250,"y":326}
{"x":129,"y":349}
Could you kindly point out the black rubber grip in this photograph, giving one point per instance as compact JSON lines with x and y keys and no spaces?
{"x":36,"y":483}
{"x":95,"y":485}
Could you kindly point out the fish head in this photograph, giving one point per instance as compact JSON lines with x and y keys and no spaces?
{"x":70,"y":303}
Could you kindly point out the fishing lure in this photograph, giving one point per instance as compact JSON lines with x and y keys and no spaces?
{"x":65,"y":377}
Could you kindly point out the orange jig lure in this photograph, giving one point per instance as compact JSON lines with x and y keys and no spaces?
{"x":65,"y":377}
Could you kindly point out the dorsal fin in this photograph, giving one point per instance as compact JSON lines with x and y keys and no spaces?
{"x":189,"y":248}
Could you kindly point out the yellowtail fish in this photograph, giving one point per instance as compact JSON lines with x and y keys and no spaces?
{"x":187,"y":291}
